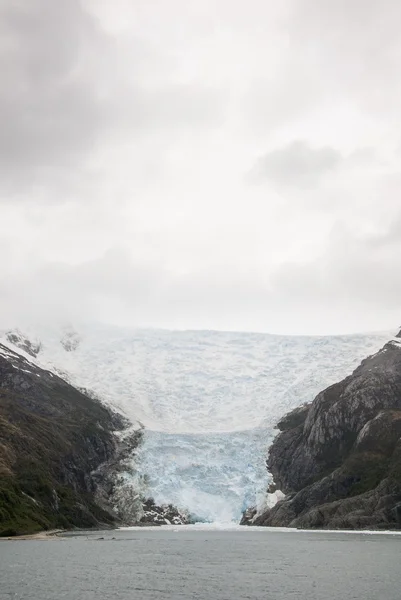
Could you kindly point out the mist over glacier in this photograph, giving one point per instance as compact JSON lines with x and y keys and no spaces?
{"x":208,"y":401}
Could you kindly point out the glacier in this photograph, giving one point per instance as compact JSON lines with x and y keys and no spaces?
{"x":208,"y":401}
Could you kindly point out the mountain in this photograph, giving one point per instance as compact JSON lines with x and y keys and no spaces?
{"x":207,"y":403}
{"x":338,"y":459}
{"x":52,"y":437}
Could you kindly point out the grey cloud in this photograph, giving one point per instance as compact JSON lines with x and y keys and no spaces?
{"x":49,"y":111}
{"x":297,"y":164}
{"x":355,"y":48}
{"x":116,"y":288}
{"x":92,"y":115}
{"x":168,"y":108}
{"x":351,"y":270}
{"x":67,"y":87}
{"x":338,"y":55}
{"x":351,"y":287}
{"x":282,"y":97}
{"x":390,"y":237}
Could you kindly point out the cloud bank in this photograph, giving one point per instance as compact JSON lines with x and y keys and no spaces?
{"x":201,"y":164}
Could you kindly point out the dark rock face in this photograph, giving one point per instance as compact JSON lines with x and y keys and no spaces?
{"x":162,"y":515}
{"x":23,"y":343}
{"x":113,"y":488}
{"x":52,"y":439}
{"x":248,"y":516}
{"x":339,"y":459}
{"x":70,"y":340}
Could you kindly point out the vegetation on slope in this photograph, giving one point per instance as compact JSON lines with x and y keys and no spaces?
{"x":52,"y":437}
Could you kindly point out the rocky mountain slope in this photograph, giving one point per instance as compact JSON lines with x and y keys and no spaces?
{"x":52,"y":438}
{"x":338,"y":459}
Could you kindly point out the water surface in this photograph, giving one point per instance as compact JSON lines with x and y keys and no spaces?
{"x":205,"y":564}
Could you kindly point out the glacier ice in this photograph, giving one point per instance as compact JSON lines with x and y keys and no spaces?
{"x":208,"y":400}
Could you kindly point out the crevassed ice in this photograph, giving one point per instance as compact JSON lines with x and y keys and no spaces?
{"x":209,"y":401}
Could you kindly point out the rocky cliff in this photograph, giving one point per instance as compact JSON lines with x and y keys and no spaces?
{"x":338,"y":459}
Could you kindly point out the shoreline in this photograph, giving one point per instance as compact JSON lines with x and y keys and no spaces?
{"x":40,"y":535}
{"x":66,"y":533}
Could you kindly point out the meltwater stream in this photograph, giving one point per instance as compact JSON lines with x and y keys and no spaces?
{"x":209,"y":401}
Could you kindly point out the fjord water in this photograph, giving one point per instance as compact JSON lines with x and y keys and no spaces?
{"x":209,"y":402}
{"x":148,"y":564}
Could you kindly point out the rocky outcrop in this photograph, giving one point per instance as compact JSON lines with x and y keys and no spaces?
{"x":166,"y":514}
{"x":23,"y":343}
{"x":338,"y":459}
{"x":115,"y":484}
{"x":70,"y":339}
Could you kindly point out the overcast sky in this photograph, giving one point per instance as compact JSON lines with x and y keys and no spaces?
{"x":220,"y":164}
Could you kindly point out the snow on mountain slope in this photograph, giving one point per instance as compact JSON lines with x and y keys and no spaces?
{"x":209,"y":400}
